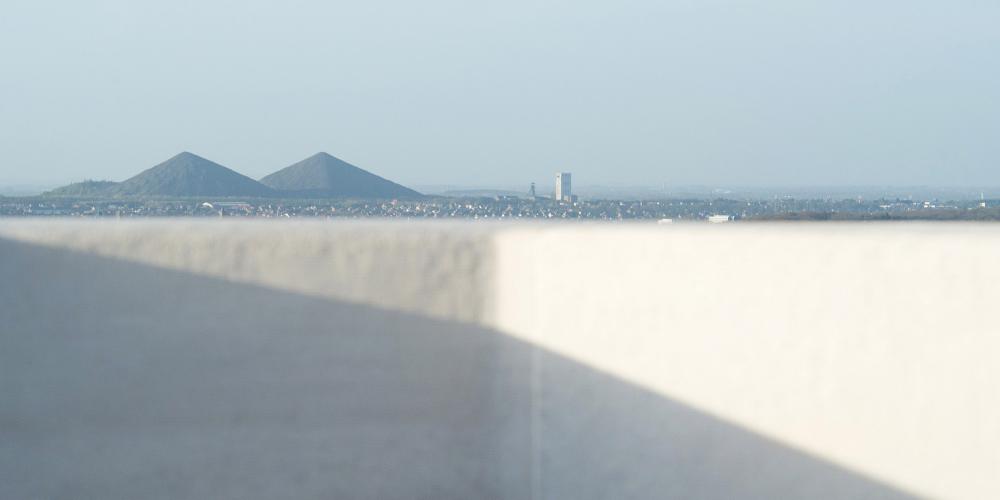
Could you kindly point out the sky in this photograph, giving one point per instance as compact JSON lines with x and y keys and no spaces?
{"x":713,"y":92}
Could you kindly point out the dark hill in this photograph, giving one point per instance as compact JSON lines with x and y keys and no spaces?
{"x":188,"y":174}
{"x":85,"y":189}
{"x":324,"y":176}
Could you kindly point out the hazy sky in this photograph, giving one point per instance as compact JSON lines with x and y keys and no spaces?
{"x":783,"y":92}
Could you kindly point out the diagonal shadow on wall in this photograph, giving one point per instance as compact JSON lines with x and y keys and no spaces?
{"x":121,"y":380}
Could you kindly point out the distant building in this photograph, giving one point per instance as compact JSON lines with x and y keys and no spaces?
{"x":564,"y":187}
{"x":715,"y":219}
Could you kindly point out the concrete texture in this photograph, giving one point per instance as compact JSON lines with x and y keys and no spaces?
{"x":208,"y":359}
{"x":874,"y":346}
{"x":120,"y":380}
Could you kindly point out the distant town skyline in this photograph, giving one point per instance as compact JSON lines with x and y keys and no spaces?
{"x":639,"y":93}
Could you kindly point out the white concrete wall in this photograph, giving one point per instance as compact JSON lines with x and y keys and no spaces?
{"x":874,"y":347}
{"x":402,"y":360}
{"x":190,"y":360}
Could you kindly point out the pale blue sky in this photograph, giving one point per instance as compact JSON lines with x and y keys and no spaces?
{"x":469,"y":93}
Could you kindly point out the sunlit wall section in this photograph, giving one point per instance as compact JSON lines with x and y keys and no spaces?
{"x":872,"y":346}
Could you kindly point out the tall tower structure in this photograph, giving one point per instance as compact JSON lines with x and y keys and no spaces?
{"x":564,"y":187}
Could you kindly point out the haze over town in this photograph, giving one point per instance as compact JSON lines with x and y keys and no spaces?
{"x":643,"y":94}
{"x":529,"y":249}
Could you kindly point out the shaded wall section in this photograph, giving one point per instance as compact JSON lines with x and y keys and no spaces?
{"x":121,"y":380}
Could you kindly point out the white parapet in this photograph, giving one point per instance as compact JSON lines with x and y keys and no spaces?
{"x":193,"y":359}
